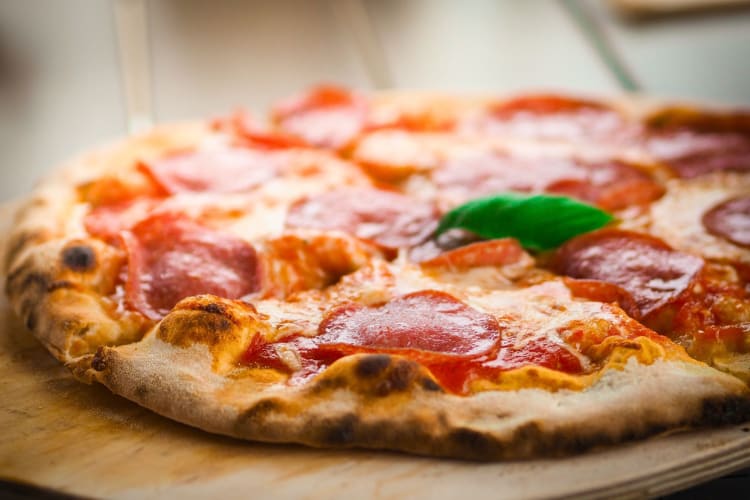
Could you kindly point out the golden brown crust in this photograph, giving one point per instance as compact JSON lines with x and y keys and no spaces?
{"x":387,"y":402}
{"x":186,"y":366}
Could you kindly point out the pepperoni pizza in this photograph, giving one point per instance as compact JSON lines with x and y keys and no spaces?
{"x":453,"y":276}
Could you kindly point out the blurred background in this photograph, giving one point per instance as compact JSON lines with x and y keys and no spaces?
{"x":75,"y":73}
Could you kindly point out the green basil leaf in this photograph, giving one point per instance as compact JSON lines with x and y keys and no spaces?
{"x":538,"y":222}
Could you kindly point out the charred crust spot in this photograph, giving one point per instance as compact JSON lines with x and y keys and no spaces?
{"x":258,"y":413}
{"x":55,"y":285}
{"x":32,"y":319}
{"x":28,"y":306}
{"x":373,"y":365}
{"x":183,"y":328}
{"x":79,"y":258}
{"x":430,"y":385}
{"x":33,"y":279}
{"x":99,"y":363}
{"x":529,"y":432}
{"x":340,"y":432}
{"x":329,"y":383}
{"x":141,"y":392}
{"x":442,"y":419}
{"x":474,"y":444}
{"x":399,"y":378}
{"x":213,"y":308}
{"x":725,"y":411}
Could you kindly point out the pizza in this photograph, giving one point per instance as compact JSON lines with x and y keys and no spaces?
{"x":457,"y":276}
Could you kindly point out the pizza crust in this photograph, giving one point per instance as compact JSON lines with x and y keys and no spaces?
{"x":388,"y":402}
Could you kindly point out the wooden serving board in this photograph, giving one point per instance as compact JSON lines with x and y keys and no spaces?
{"x":60,"y":434}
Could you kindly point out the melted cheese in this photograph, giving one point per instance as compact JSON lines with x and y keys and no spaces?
{"x":676,"y":218}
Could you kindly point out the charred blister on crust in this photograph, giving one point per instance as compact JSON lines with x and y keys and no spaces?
{"x":260,"y":411}
{"x":400,"y":376}
{"x":141,"y":392}
{"x":79,"y":258}
{"x":471,"y":443}
{"x":32,"y":319}
{"x":198,"y":319}
{"x":373,"y":365}
{"x":224,"y":326}
{"x":375,"y":375}
{"x":98,"y":362}
{"x":725,"y":411}
{"x":328,"y":383}
{"x":429,"y":384}
{"x":214,"y":308}
{"x":35,"y":279}
{"x":340,"y":432}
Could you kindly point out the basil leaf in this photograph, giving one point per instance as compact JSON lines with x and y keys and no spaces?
{"x":538,"y":222}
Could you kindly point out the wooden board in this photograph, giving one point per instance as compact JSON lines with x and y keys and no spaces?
{"x":79,"y":439}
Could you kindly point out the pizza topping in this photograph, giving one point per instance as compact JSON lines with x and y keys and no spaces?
{"x":550,"y":117}
{"x":242,"y":126}
{"x":602,"y":291}
{"x":695,"y":143}
{"x":108,"y":221}
{"x":540,"y":351}
{"x":647,"y":268}
{"x":730,"y":220}
{"x":429,"y":321}
{"x":113,"y":190}
{"x":455,"y":341}
{"x":224,"y":170}
{"x":429,"y":326}
{"x":326,"y":116}
{"x":538,"y":222}
{"x":611,"y":185}
{"x":501,"y":252}
{"x":296,"y":262}
{"x":170,"y":258}
{"x":387,"y":218}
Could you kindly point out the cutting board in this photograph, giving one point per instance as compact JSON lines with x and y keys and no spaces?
{"x":60,"y":434}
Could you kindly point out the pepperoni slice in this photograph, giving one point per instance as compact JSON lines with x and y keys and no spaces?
{"x":647,"y":268}
{"x":730,"y":220}
{"x":242,"y":126}
{"x":108,"y":221}
{"x":225,"y":170}
{"x":389,"y":219}
{"x":418,"y":324}
{"x":500,"y":252}
{"x":694,"y":143}
{"x":326,"y":116}
{"x":550,"y":117}
{"x":612,"y":184}
{"x":539,"y":352}
{"x":170,"y":258}
{"x":602,"y":291}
